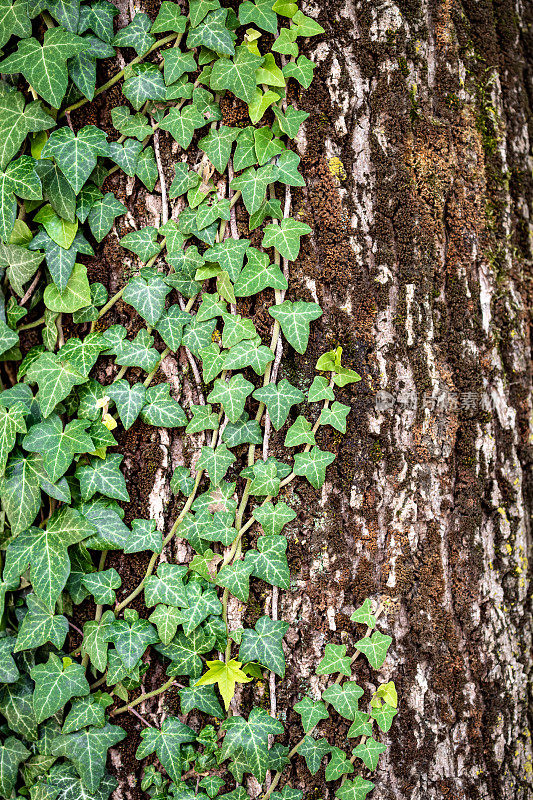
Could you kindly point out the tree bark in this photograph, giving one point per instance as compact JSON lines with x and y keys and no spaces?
{"x":417,"y":163}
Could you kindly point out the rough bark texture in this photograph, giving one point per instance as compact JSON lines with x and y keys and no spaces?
{"x":419,"y":192}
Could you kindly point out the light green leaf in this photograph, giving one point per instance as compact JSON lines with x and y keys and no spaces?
{"x":203,"y":419}
{"x":354,"y":790}
{"x":344,"y":699}
{"x":74,"y":296}
{"x":40,"y":626}
{"x":62,"y":231}
{"x":11,"y":422}
{"x":301,"y":70}
{"x":226,"y":676}
{"x":161,"y":409}
{"x":231,"y":395}
{"x":313,"y":465}
{"x":56,"y":682}
{"x":320,"y":390}
{"x":311,"y":711}
{"x":364,"y":615}
{"x":102,"y":585}
{"x":270,"y":74}
{"x":306,"y":25}
{"x":265,"y":479}
{"x":285,"y":237}
{"x":299,"y":433}
{"x":335,"y":660}
{"x":279,"y":399}
{"x":338,"y":765}
{"x":21,"y":264}
{"x":136,"y":34}
{"x":169,"y":18}
{"x":260,"y":102}
{"x":87,"y":749}
{"x":44,"y":66}
{"x":230,"y":255}
{"x":144,"y":244}
{"x":237,"y":75}
{"x":129,"y":400}
{"x":286,"y":42}
{"x":375,"y":648}
{"x":76,"y":155}
{"x":290,"y":120}
{"x":369,"y":752}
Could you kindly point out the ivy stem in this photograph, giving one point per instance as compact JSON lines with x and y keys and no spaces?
{"x":31,"y":325}
{"x":297,"y":746}
{"x":143,"y":697}
{"x":115,"y":79}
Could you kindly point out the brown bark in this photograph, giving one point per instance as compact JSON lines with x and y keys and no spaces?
{"x":418,"y":188}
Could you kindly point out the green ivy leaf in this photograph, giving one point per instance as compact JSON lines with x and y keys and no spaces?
{"x":104,"y":477}
{"x":8,"y":669}
{"x":95,"y":640}
{"x":301,"y":70}
{"x":131,"y":639}
{"x":264,"y":644}
{"x":87,"y":750}
{"x":203,"y":419}
{"x":170,"y":326}
{"x":212,"y":362}
{"x":39,"y":626}
{"x":232,"y":396}
{"x":129,"y":124}
{"x":269,"y":73}
{"x":338,"y":765}
{"x":17,"y":119}
{"x":167,"y":744}
{"x":286,"y":42}
{"x":230,"y":255}
{"x":369,"y":752}
{"x":237,"y":75}
{"x":102,"y":585}
{"x":56,"y":445}
{"x":311,"y":711}
{"x":251,"y":737}
{"x":217,"y":146}
{"x":147,"y":296}
{"x":166,"y":619}
{"x":313,"y":465}
{"x":335,"y":660}
{"x":279,"y":400}
{"x":145,"y":83}
{"x":306,"y":25}
{"x":17,"y":708}
{"x":12,"y":755}
{"x":236,"y":578}
{"x":62,"y":231}
{"x":260,"y":103}
{"x":344,"y":699}
{"x":384,"y":716}
{"x":299,"y":433}
{"x":161,"y":409}
{"x":129,"y":400}
{"x":102,"y":215}
{"x":184,"y":652}
{"x":253,"y":184}
{"x":83,"y":353}
{"x":169,"y":18}
{"x":270,"y":562}
{"x":143,"y":243}
{"x":314,"y":750}
{"x":354,"y":790}
{"x":167,"y":586}
{"x":44,"y":66}
{"x":56,"y":682}
{"x":290,"y":120}
{"x":364,"y":615}
{"x":226,"y":676}
{"x":136,"y":34}
{"x":21,"y":265}
{"x":144,"y":536}
{"x":76,"y":155}
{"x":74,"y":296}
{"x":295,"y":319}
{"x":182,"y":124}
{"x":177,"y":64}
{"x":213,"y":33}
{"x":375,"y":648}
{"x":273,"y":518}
{"x":14,"y":21}
{"x":243,"y":431}
{"x":258,"y":274}
{"x":286,"y":169}
{"x":198,"y":10}
{"x":197,"y":335}
{"x":11,"y":422}
{"x":360,"y":725}
{"x":259,"y":13}
{"x":84,"y":713}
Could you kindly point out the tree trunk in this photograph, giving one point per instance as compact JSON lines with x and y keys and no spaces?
{"x":419,"y":192}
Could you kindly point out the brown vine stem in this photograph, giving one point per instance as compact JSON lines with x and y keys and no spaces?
{"x":338,"y":679}
{"x":115,"y":79}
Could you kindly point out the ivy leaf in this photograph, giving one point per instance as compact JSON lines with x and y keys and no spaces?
{"x":264,"y":644}
{"x":236,"y":578}
{"x":364,"y":615}
{"x":311,"y":711}
{"x":360,"y":725}
{"x":184,"y":652}
{"x":161,"y":410}
{"x":8,"y":669}
{"x":213,"y":33}
{"x":39,"y":626}
{"x":265,"y":479}
{"x":167,"y":744}
{"x":62,"y":231}
{"x":259,"y":13}
{"x":320,"y":390}
{"x":243,"y":431}
{"x":231,"y":395}
{"x":338,"y":765}
{"x":269,"y":73}
{"x":285,"y":237}
{"x":314,"y":750}
{"x":217,"y":146}
{"x":212,"y":362}
{"x":57,"y":446}
{"x":138,"y":353}
{"x":270,"y":563}
{"x":131,"y":639}
{"x":102,"y":215}
{"x":335,"y":416}
{"x":129,"y":400}
{"x":17,"y":708}
{"x":295,"y":319}
{"x":11,"y":422}
{"x":384,"y":716}
{"x":145,"y":83}
{"x":102,"y":585}
{"x":136,"y":34}
{"x":104,"y":477}
{"x":260,"y":103}
{"x":354,"y":790}
{"x":129,"y":124}
{"x":202,"y":698}
{"x":199,"y":8}
{"x":87,"y":750}
{"x":300,"y":432}
{"x":144,"y":536}
{"x":258,"y":274}
{"x":182,"y":124}
{"x":147,"y":296}
{"x":279,"y":399}
{"x":200,"y":605}
{"x":170,"y":326}
{"x":313,"y":465}
{"x":83,"y":353}
{"x":21,"y":264}
{"x":344,"y":699}
{"x":369,"y":752}
{"x":237,"y":75}
{"x":251,"y":737}
{"x":335,"y":660}
{"x":95,"y":640}
{"x":375,"y":648}
{"x":306,"y":25}
{"x":290,"y":120}
{"x":144,"y":244}
{"x":84,"y":713}
{"x":166,"y":619}
{"x":20,"y":490}
{"x":169,"y":18}
{"x":230,"y":255}
{"x":301,"y":70}
{"x":56,"y":682}
{"x":74,"y":296}
{"x":12,"y":755}
{"x":76,"y":155}
{"x":226,"y":676}
{"x":17,"y":120}
{"x":167,"y":586}
{"x":197,"y":335}
{"x":14,"y":21}
{"x":44,"y":66}
{"x":286,"y":169}
{"x":286,"y":42}
{"x":266,"y":146}
{"x":203,"y":419}
{"x":253,"y":184}
{"x":273,"y":518}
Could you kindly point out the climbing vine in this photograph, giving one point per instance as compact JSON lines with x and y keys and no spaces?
{"x":63,"y":492}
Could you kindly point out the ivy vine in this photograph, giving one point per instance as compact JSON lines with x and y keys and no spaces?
{"x":62,"y":488}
